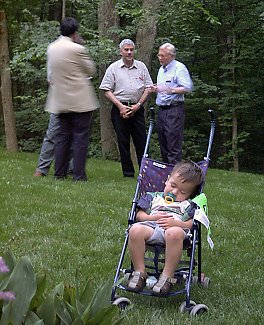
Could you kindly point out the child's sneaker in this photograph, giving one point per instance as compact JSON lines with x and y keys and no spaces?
{"x":163,"y":286}
{"x":137,"y":282}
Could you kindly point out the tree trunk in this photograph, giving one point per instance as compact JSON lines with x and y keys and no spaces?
{"x":227,"y":51}
{"x":63,"y":9}
{"x":55,"y":11}
{"x":107,"y":19}
{"x":146,"y":34}
{"x":147,"y":31}
{"x":234,"y":113}
{"x":234,"y":141}
{"x":6,"y":88}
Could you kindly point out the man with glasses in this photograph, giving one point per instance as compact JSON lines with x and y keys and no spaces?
{"x":173,"y":81}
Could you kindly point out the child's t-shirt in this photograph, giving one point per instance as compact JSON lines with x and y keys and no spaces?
{"x":152,"y":202}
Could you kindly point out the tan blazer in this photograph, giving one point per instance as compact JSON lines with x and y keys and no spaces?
{"x":69,"y":69}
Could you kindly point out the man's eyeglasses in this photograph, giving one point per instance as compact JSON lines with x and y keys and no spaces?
{"x":163,"y":56}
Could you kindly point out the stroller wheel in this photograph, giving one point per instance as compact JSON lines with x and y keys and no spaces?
{"x":122,"y":303}
{"x":184,"y":309}
{"x":199,"y":309}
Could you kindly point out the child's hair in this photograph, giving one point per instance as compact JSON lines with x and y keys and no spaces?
{"x":189,"y":171}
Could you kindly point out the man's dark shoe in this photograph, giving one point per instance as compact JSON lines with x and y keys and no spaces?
{"x":38,"y":174}
{"x":129,"y":175}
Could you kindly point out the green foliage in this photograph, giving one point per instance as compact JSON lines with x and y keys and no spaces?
{"x":226,"y":159}
{"x":31,"y":121}
{"x":28,"y":63}
{"x":22,"y":282}
{"x":130,"y":13}
{"x":194,"y":144}
{"x":28,"y":66}
{"x":219,"y":41}
{"x":35,"y":304}
{"x":102,"y":49}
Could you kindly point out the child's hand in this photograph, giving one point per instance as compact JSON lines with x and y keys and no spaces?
{"x":167,"y":222}
{"x":159,"y":215}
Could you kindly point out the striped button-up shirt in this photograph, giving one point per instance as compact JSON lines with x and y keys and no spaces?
{"x":175,"y":74}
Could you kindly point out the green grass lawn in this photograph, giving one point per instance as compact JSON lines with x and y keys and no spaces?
{"x":63,"y":226}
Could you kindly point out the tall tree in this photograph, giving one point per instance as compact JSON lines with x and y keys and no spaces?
{"x":147,"y":31}
{"x":108,"y":20}
{"x":55,"y":10}
{"x":6,"y":87}
{"x":63,"y":9}
{"x":240,"y":23}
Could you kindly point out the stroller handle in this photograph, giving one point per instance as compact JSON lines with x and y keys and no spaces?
{"x":151,"y":124}
{"x":212,"y":131}
{"x":132,"y":213}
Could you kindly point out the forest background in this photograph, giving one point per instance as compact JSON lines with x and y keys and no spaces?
{"x":221,"y":43}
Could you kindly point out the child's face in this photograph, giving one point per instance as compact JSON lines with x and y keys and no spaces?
{"x":182,"y":190}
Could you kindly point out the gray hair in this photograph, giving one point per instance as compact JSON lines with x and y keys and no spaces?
{"x":126,"y":41}
{"x":171,"y":48}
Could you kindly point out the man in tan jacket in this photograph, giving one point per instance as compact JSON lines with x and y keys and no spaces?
{"x":71,"y":96}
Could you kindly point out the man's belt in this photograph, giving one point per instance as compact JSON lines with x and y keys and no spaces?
{"x":172,"y":105}
{"x":127,"y":103}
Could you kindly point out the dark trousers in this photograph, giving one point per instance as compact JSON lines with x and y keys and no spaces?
{"x":73,"y":133}
{"x":136,"y":128}
{"x":170,"y":126}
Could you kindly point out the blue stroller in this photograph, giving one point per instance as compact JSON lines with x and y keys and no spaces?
{"x":152,"y":177}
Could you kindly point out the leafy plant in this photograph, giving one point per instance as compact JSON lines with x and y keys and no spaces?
{"x":32,"y":303}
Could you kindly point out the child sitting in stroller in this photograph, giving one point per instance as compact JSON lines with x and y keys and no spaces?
{"x":164,"y":218}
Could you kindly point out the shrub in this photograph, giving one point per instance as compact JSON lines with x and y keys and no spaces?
{"x":30,"y":302}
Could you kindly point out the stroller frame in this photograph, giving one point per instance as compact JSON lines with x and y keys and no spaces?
{"x":186,"y":274}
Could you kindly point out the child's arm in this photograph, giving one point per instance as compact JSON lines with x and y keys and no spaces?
{"x":143,"y":216}
{"x":144,"y":208}
{"x":166,"y":223}
{"x":187,"y":218}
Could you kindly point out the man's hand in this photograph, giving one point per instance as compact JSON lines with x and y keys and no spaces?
{"x":128,"y":111}
{"x":76,"y":37}
{"x":153,"y":89}
{"x":161,"y":89}
{"x":123,"y":109}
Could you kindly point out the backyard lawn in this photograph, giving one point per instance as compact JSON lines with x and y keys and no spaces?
{"x":63,"y":226}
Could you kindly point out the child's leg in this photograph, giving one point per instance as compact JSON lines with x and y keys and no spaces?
{"x":174,"y":238}
{"x":138,"y":235}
